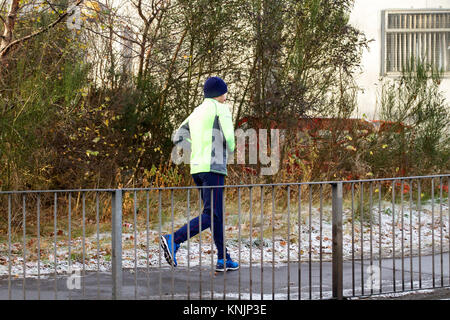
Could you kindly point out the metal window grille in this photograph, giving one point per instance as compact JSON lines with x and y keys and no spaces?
{"x":415,"y":36}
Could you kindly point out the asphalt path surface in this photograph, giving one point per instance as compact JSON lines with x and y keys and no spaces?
{"x":255,"y":283}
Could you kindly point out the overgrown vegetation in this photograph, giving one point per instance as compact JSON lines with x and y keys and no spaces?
{"x":418,"y":140}
{"x":96,"y":107}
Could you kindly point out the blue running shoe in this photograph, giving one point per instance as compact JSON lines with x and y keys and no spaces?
{"x":231,"y":265}
{"x":169,"y":253}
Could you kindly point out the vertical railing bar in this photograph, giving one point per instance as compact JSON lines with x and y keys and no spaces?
{"x":251,"y":244}
{"x":419,"y":202}
{"x":116,"y":243}
{"x":411,"y":234}
{"x":83,"y":223}
{"x":448,"y":231}
{"x":432,"y":235}
{"x":361,"y":220}
{"x":70,"y":239}
{"x":55,"y":236}
{"x":441,"y":231}
{"x":172,"y":244}
{"x":299,"y":271}
{"x":353,"y":238}
{"x":24,"y":210}
{"x":310,"y":242}
{"x":39,"y":244}
{"x":189,"y":244}
{"x":288,"y":241}
{"x":337,"y":235}
{"x":200,"y":240}
{"x":262,"y":241}
{"x":393,"y":235}
{"x":9,"y":247}
{"x":273,"y":242}
{"x":135,"y":241}
{"x":371,"y":231}
{"x":402,"y":187}
{"x":159,"y":237}
{"x":211,"y":243}
{"x":97,"y":222}
{"x":147,"y":245}
{"x":321,"y":241}
{"x":239,"y":243}
{"x":224,"y":216}
{"x":379,"y":238}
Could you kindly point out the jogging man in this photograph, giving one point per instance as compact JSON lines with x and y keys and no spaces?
{"x":209,"y":132}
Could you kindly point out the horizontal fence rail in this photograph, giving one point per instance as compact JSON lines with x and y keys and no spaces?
{"x":293,"y":241}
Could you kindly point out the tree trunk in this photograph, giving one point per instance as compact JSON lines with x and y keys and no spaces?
{"x":8,"y":24}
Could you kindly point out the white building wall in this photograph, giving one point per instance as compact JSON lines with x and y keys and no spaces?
{"x":366,"y":16}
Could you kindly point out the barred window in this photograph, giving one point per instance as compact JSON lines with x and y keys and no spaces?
{"x":415,"y":35}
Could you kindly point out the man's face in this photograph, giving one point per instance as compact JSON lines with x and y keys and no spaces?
{"x":221,"y":98}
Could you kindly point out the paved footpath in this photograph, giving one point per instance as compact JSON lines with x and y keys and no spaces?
{"x":281,"y":282}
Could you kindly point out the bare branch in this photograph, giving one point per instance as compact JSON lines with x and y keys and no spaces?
{"x":118,"y":35}
{"x":6,"y":48}
{"x":52,"y":7}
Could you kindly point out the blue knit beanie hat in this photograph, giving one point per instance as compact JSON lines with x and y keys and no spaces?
{"x":214,"y":87}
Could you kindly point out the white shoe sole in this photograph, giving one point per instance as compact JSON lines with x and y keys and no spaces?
{"x":167,"y":254}
{"x":228,"y":269}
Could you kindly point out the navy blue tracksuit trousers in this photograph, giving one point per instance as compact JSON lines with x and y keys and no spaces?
{"x":207,"y":179}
